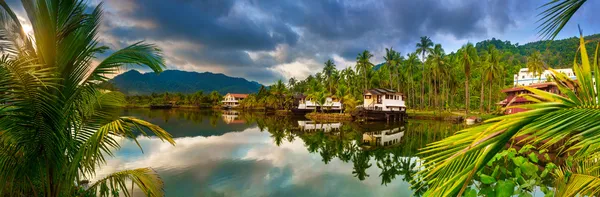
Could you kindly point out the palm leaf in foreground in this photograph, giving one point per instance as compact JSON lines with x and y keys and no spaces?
{"x":569,"y":122}
{"x":56,"y":123}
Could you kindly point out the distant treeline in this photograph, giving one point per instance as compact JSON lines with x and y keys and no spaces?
{"x":197,"y":99}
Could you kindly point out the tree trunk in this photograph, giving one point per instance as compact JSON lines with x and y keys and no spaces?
{"x":467,"y":96}
{"x":490,"y":98}
{"x":423,"y":82}
{"x":481,"y":98}
{"x":391,"y":84}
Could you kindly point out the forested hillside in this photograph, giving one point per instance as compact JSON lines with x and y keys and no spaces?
{"x":556,"y":54}
{"x":136,"y":83}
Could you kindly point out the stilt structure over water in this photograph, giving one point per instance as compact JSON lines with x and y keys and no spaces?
{"x":381,"y":105}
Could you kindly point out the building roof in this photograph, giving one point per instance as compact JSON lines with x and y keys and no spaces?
{"x":537,"y":86}
{"x":381,"y":91}
{"x":238,"y":95}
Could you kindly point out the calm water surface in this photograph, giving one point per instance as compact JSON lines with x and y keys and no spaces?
{"x":248,"y":154}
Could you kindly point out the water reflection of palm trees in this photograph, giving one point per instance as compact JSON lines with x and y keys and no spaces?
{"x":392,"y":147}
{"x":394,"y":154}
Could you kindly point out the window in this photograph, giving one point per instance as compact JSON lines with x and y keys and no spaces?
{"x":367,"y":96}
{"x":523,"y":77}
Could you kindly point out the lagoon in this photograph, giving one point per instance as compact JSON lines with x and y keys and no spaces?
{"x":226,"y":153}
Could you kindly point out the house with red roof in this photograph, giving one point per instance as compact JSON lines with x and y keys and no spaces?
{"x":513,"y":98}
{"x":233,"y":100}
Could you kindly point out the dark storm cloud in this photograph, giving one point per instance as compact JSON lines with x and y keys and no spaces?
{"x":224,"y":32}
{"x":209,"y":22}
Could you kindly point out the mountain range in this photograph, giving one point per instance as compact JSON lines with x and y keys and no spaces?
{"x":135,"y":83}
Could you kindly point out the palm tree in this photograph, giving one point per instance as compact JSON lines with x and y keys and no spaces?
{"x":363,"y":64}
{"x":437,"y":58}
{"x":566,"y":121}
{"x":329,"y":70}
{"x":391,"y":61}
{"x":492,"y":70}
{"x":424,"y":47}
{"x":468,"y":57}
{"x":57,"y":124}
{"x":411,"y":67}
{"x":214,"y":97}
{"x":535,"y":64}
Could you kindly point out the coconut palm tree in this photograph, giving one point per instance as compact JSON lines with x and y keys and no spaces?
{"x":493,"y":68}
{"x":391,"y":61}
{"x":468,"y":57}
{"x":437,"y":59}
{"x":535,"y":64}
{"x":363,"y":64}
{"x":329,"y":71}
{"x":411,"y":68}
{"x":566,"y":121}
{"x":57,"y":125}
{"x":424,"y":47}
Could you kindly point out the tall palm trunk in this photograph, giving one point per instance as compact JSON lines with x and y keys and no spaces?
{"x":366,"y":86}
{"x":423,"y":81}
{"x":391,"y":82}
{"x":490,"y":98}
{"x":467,"y":96}
{"x":481,"y":98}
{"x":435,"y":93}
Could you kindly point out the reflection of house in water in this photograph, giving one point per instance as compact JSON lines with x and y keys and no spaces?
{"x":383,"y":138}
{"x":307,"y":125}
{"x":232,"y":117}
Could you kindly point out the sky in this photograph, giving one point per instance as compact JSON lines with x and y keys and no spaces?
{"x":267,"y":40}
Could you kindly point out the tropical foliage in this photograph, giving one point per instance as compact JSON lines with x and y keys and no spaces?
{"x":564,"y":124}
{"x":56,"y":123}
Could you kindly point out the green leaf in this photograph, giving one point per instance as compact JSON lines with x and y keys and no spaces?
{"x":518,"y":161}
{"x":518,"y":173}
{"x":496,"y":170}
{"x":526,"y":148}
{"x":533,"y":157}
{"x":487,"y":191}
{"x":504,"y":188}
{"x":486,"y":179}
{"x":470,"y":192}
{"x":529,"y":169}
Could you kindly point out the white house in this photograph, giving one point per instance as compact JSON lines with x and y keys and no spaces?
{"x":312,"y":125}
{"x":331,"y":103}
{"x":233,"y":100}
{"x":526,"y":78}
{"x":383,"y":138}
{"x":382,"y":99}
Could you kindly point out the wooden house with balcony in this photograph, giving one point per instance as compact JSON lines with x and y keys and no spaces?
{"x":381,"y":104}
{"x":306,"y":105}
{"x":232,"y":100}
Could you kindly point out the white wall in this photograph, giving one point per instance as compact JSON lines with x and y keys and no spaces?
{"x":525,"y":78}
{"x":309,"y":104}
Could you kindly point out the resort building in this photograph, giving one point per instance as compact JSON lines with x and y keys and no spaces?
{"x":513,"y":98}
{"x":233,"y":100}
{"x":383,"y":138}
{"x":331,"y":103}
{"x":382,"y":99}
{"x":307,"y":125}
{"x":526,"y":78}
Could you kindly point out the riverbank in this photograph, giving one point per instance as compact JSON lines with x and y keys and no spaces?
{"x":454,"y":116}
{"x":329,"y":116}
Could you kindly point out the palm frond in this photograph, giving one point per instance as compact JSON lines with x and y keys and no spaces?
{"x":556,"y":16}
{"x":145,"y":178}
{"x":550,"y":120}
